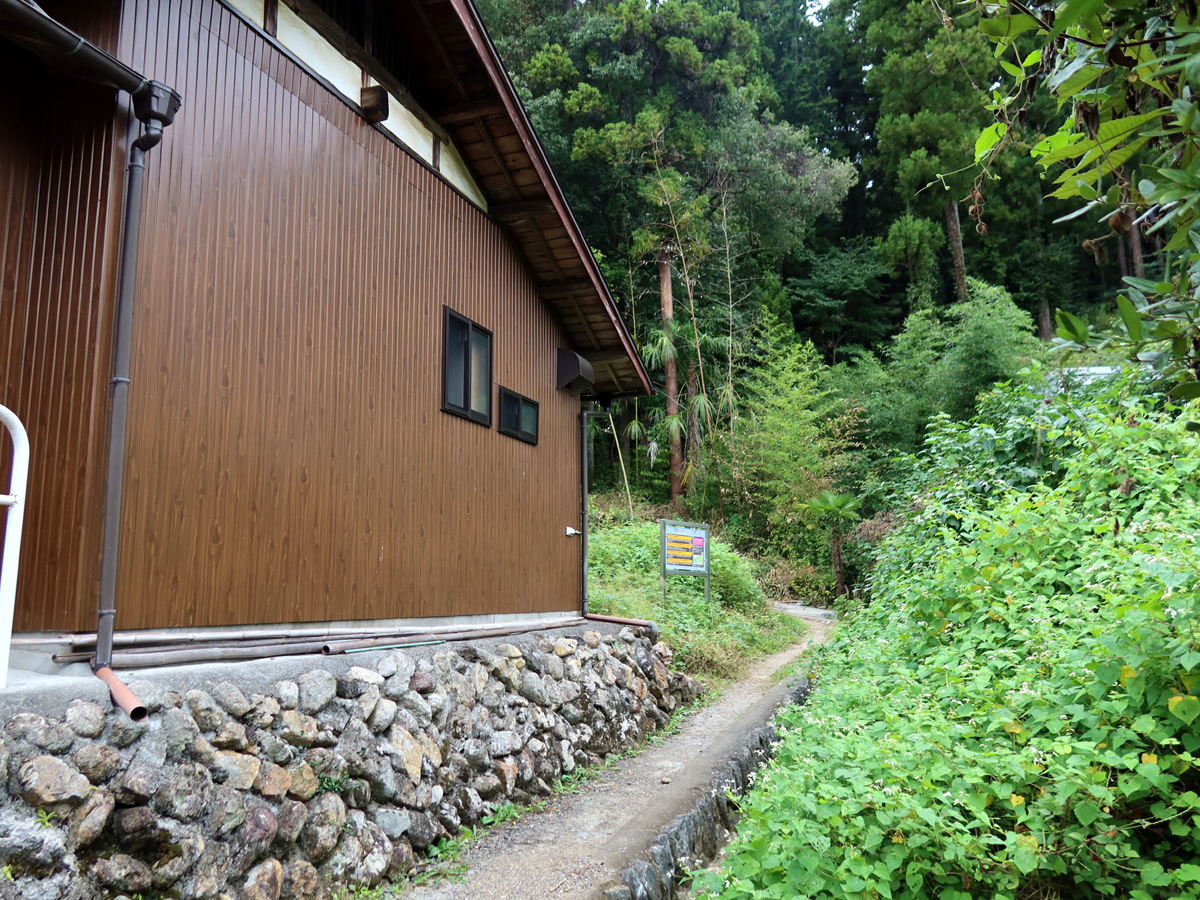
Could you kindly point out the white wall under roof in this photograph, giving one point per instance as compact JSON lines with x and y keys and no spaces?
{"x":345,"y":76}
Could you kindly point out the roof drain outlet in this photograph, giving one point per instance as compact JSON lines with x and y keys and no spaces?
{"x":155,"y":107}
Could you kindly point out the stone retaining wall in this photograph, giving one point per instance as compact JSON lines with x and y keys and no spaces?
{"x":323,"y":779}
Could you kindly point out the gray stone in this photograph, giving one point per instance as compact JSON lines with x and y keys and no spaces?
{"x":85,"y":718}
{"x":209,"y":874}
{"x":664,"y":864}
{"x":44,"y":781}
{"x":264,"y":710}
{"x":402,"y":862}
{"x":356,"y":793}
{"x":90,"y":818}
{"x":335,"y":716}
{"x":208,"y":715}
{"x":176,"y":730}
{"x":393,"y":822}
{"x":288,"y":693}
{"x":503,"y":743}
{"x":136,"y":786}
{"x":340,"y":866}
{"x":254,"y":837}
{"x":487,"y":786}
{"x":392,"y":663}
{"x":231,"y":699}
{"x":382,"y":715}
{"x":376,"y":855}
{"x":231,"y":736}
{"x":366,"y":701}
{"x":423,"y":830}
{"x":184,"y":792}
{"x":292,"y":816}
{"x":201,"y":750}
{"x":97,"y":762}
{"x":619,"y":892}
{"x":24,"y":839}
{"x":124,"y":732}
{"x":135,"y":827}
{"x":227,"y":809}
{"x":187,"y":846}
{"x":265,"y":881}
{"x":274,"y":748}
{"x":418,"y":706}
{"x":122,"y":873}
{"x":356,"y":680}
{"x":316,"y":688}
{"x":326,"y":818}
{"x":300,"y":880}
{"x":532,"y":689}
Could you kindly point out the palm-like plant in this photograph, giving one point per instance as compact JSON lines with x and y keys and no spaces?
{"x":840,"y":510}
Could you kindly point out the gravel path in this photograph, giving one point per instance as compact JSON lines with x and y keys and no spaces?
{"x":582,"y":841}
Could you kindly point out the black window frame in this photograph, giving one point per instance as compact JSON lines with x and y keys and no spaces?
{"x":472,"y":327}
{"x":527,"y":437}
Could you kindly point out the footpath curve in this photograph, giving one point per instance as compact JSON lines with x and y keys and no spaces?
{"x":580,"y":843}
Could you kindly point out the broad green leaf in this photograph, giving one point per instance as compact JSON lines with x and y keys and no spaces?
{"x":1073,"y":12}
{"x":1087,"y":813}
{"x":1185,"y":707}
{"x":1129,"y":315}
{"x":1003,"y":27}
{"x":1189,"y":390}
{"x":988,"y":138}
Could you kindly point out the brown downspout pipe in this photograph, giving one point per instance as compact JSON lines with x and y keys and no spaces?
{"x":155,"y":108}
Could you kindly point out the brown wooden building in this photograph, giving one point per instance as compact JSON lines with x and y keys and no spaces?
{"x":355,"y":273}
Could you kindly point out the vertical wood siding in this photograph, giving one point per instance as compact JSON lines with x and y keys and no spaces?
{"x":288,"y":459}
{"x":60,"y":187}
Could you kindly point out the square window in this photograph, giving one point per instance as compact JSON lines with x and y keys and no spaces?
{"x":466,"y":369}
{"x":518,"y":416}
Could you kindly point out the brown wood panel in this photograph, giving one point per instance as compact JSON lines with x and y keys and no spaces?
{"x":57,"y":265}
{"x":288,"y":457}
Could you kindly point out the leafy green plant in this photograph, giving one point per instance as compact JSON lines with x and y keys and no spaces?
{"x":839,"y":510}
{"x":46,"y":818}
{"x":505,"y":812}
{"x":707,"y":639}
{"x":1017,"y":714}
{"x":331,"y":784}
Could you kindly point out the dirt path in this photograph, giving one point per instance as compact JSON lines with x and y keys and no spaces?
{"x":580,"y":841}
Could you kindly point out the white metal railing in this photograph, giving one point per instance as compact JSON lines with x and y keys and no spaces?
{"x":15,"y":501}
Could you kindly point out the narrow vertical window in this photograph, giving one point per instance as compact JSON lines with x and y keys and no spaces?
{"x":467,"y":369}
{"x":518,"y":416}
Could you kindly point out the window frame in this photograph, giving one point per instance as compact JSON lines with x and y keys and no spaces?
{"x":466,"y":412}
{"x":527,"y":437}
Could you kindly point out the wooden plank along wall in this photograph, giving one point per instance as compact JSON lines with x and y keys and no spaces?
{"x":288,"y":459}
{"x":60,"y":183}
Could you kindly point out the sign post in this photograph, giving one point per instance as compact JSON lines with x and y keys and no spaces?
{"x":685,"y":551}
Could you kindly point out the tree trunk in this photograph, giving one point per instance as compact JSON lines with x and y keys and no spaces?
{"x":693,"y":434}
{"x":1045,"y":320}
{"x":956,"y":247}
{"x":1122,"y":262}
{"x":671,"y":377}
{"x":835,"y":551}
{"x":1135,"y":250}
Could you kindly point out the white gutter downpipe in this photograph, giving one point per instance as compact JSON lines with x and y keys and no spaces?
{"x":15,"y":501}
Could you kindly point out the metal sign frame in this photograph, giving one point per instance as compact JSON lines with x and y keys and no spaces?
{"x":663,"y":525}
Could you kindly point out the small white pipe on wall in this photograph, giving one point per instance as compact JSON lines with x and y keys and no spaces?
{"x":15,"y":501}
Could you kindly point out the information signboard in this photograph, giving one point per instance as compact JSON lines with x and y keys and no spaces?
{"x":685,"y":551}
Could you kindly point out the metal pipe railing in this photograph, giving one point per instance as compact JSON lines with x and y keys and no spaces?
{"x":15,"y":501}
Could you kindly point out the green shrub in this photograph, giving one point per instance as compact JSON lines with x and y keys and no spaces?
{"x":1017,"y":714}
{"x":708,"y":639}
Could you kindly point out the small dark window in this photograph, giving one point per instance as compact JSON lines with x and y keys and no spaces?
{"x":467,"y":369}
{"x":518,"y":416}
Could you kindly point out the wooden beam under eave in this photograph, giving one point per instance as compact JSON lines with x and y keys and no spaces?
{"x":565,"y":289}
{"x":520,"y":209}
{"x":466,"y":112}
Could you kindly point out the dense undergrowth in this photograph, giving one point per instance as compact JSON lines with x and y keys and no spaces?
{"x":1017,"y":712}
{"x":708,"y":639}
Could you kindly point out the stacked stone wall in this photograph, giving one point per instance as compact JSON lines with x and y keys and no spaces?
{"x":322,"y":780}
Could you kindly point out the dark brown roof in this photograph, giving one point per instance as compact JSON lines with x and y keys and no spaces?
{"x":465,"y":89}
